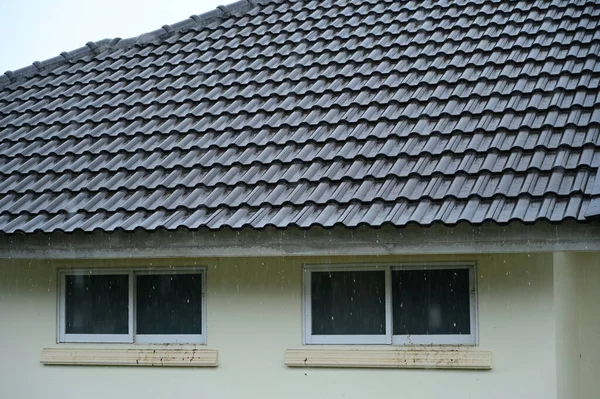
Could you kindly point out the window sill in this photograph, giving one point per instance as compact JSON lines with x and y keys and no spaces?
{"x":174,"y":357}
{"x":425,"y":358}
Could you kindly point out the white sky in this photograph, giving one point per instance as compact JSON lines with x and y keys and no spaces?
{"x":34,"y":30}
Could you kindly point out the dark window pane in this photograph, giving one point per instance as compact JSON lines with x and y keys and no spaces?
{"x":169,"y":304}
{"x":431,"y":302}
{"x":348,"y":303}
{"x":97,"y":304}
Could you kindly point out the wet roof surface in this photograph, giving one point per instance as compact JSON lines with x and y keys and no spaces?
{"x":311,"y":113}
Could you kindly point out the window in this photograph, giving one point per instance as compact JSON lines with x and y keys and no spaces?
{"x":158,"y":306}
{"x":396,"y":304}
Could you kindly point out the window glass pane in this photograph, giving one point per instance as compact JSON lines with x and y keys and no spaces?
{"x":97,"y":304}
{"x":169,"y":304}
{"x":431,"y":302}
{"x":348,"y":303}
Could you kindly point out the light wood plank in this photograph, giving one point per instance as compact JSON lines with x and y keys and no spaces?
{"x":130,"y":357}
{"x":392,"y":358}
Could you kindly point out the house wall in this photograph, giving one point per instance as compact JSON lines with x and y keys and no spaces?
{"x":577,"y":298}
{"x":254,"y":315}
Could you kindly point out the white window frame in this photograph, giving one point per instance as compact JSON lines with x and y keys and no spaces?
{"x":131,"y":337}
{"x":388,"y":338}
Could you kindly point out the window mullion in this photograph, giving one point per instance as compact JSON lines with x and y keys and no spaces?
{"x":474,"y":319}
{"x":388,"y":305}
{"x":306,"y":280}
{"x":131,"y":306}
{"x":204,"y":307}
{"x":62,"y":323}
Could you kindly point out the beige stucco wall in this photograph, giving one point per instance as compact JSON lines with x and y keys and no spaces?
{"x":577,"y":299}
{"x":567,"y":326}
{"x":254,"y":315}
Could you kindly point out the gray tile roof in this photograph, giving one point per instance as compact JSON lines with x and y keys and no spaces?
{"x":282,"y":113}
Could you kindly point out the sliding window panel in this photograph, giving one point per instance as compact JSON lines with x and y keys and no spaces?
{"x":347,"y":306}
{"x":170,"y":308}
{"x":96,"y":308}
{"x":433,"y":306}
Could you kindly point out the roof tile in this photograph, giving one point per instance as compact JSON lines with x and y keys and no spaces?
{"x":306,"y":113}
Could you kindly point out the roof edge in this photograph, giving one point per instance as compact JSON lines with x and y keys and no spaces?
{"x":95,"y":48}
{"x":464,"y":238}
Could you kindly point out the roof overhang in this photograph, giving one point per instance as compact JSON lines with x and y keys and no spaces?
{"x":436,"y":239}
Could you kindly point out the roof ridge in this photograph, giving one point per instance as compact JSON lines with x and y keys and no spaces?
{"x":222,"y":12}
